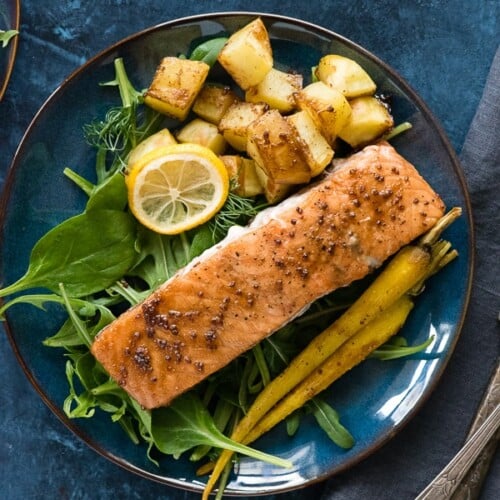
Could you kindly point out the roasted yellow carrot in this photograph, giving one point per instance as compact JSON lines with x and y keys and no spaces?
{"x":348,"y":355}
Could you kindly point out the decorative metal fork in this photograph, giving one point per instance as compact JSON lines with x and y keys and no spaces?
{"x":450,"y":478}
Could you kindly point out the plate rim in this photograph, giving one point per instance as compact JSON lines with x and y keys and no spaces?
{"x":445,"y":143}
{"x":12,"y":47}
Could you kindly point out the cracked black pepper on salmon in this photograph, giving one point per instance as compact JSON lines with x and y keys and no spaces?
{"x":264,"y":275}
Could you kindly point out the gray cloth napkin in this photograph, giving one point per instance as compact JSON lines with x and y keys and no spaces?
{"x":403,"y":467}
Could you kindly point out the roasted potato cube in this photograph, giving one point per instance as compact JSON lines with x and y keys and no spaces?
{"x":201,"y":132}
{"x":272,"y":191}
{"x":345,"y":75}
{"x":213,"y":101}
{"x":235,"y":122}
{"x":317,"y":151}
{"x":277,"y":90}
{"x":233,"y":164}
{"x":175,"y":86}
{"x":247,"y":55}
{"x":157,"y":140}
{"x":326,"y":106}
{"x":368,"y":121}
{"x":275,"y":146}
{"x":243,"y":175}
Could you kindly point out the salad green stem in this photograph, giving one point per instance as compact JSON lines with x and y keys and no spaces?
{"x":131,"y":295}
{"x":86,"y":186}
{"x":128,"y":94}
{"x":398,"y":129}
{"x":262,"y":365}
{"x":77,"y":322}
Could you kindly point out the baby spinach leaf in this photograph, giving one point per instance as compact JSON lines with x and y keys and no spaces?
{"x":208,"y":51}
{"x":111,"y":194}
{"x":87,"y":253}
{"x":186,"y":423}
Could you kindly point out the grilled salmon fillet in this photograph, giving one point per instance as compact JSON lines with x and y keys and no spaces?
{"x":262,"y":276}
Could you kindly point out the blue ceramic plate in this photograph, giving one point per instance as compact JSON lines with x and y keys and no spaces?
{"x":10,"y":12}
{"x":375,"y":399}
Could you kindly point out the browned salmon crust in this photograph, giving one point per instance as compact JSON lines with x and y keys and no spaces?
{"x":235,"y":295}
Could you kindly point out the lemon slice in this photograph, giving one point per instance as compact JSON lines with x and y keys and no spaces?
{"x":178,"y":187}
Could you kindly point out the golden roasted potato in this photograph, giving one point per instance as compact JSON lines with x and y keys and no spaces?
{"x":235,"y":122}
{"x":201,"y":132}
{"x":161,"y":138}
{"x":276,"y":89}
{"x":242,"y":172}
{"x":345,"y":75}
{"x":213,"y":101}
{"x":274,"y":145}
{"x":326,"y":106}
{"x":316,"y":150}
{"x":273,"y":192}
{"x":368,"y":121}
{"x":247,"y":55}
{"x":175,"y":86}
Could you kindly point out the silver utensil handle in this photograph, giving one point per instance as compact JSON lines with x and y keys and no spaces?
{"x":470,"y":486}
{"x":447,"y":480}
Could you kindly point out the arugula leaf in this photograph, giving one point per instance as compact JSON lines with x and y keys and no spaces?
{"x":159,"y":257}
{"x":186,"y":423}
{"x":99,"y":391}
{"x":261,"y":364}
{"x":292,"y":423}
{"x":123,"y":290}
{"x":66,"y":337}
{"x":314,"y":76}
{"x":5,"y":36}
{"x":87,"y":252}
{"x":397,"y":347}
{"x":86,"y":329}
{"x":202,"y":240}
{"x":222,"y":414}
{"x":328,"y":420}
{"x":144,"y":420}
{"x":85,"y":404}
{"x":36,"y":300}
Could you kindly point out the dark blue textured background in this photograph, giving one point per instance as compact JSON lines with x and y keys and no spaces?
{"x":442,"y":48}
